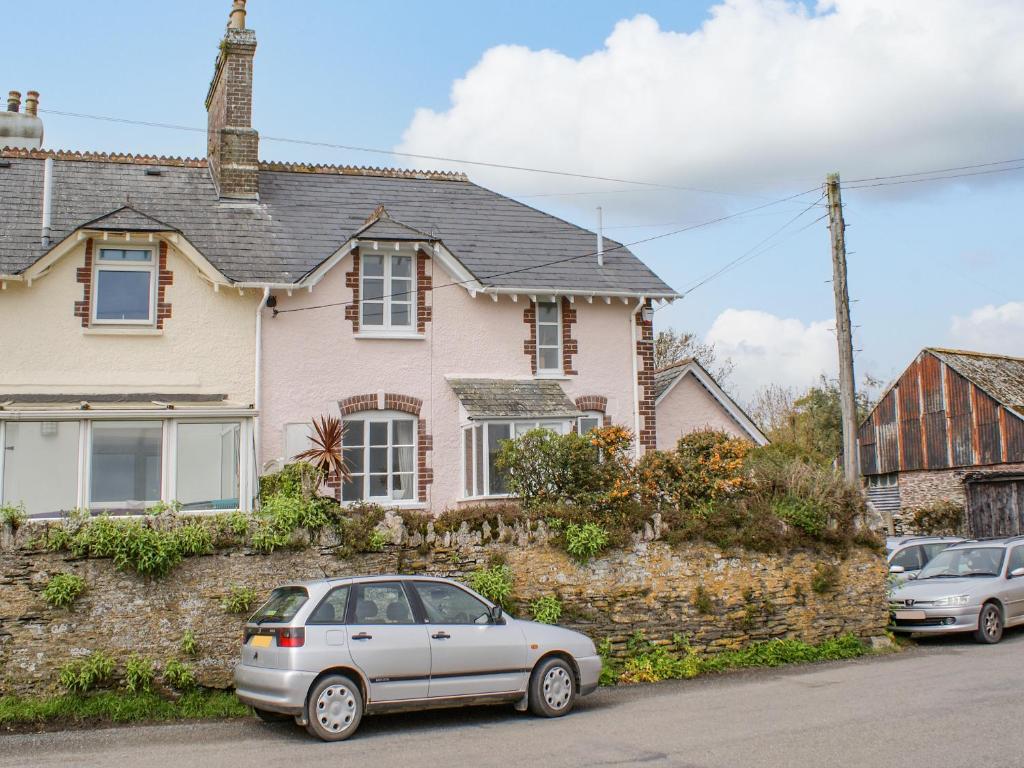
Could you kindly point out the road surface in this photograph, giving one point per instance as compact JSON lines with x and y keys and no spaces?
{"x":948,"y":702}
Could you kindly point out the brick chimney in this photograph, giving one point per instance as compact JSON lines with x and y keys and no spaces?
{"x":232,"y":144}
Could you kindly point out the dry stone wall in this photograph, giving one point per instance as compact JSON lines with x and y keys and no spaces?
{"x":650,"y":587}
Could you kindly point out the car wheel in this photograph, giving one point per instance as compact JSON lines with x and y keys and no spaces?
{"x":271,"y":717}
{"x":334,"y":708}
{"x":552,"y":688}
{"x":990,"y":624}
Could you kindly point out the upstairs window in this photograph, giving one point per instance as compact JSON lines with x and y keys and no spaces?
{"x":124,"y":286}
{"x":387,"y":291}
{"x":549,"y":337}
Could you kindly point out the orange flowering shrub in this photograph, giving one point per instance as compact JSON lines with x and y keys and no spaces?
{"x":705,"y":467}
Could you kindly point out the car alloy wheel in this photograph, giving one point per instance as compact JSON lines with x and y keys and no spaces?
{"x":990,"y":624}
{"x":335,"y":708}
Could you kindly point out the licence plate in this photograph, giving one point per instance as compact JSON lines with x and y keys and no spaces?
{"x":260,"y":641}
{"x":910,"y":615}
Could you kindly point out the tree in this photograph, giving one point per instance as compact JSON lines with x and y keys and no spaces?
{"x":671,"y":346}
{"x":811,"y":424}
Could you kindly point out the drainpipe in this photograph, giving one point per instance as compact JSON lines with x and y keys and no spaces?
{"x":258,"y":383}
{"x":47,"y":200}
{"x":636,"y":384}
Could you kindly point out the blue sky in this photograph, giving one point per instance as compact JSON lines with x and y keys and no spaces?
{"x":356,"y":73}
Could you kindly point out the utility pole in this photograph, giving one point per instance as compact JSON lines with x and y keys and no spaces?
{"x":844,"y":335}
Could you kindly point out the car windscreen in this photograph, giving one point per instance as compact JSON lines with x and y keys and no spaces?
{"x":964,"y":561}
{"x":282,"y":606}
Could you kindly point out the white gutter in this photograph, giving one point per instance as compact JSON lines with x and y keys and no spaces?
{"x":258,"y":383}
{"x":47,"y":201}
{"x":102,"y":414}
{"x":636,"y":384}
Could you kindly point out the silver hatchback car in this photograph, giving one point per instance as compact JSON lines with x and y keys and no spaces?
{"x":327,"y":652}
{"x":974,"y":586}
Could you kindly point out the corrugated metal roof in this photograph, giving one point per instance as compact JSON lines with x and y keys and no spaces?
{"x":305,"y":214}
{"x":1001,"y":376}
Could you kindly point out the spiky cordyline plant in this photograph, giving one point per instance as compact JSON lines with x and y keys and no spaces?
{"x":325,"y":454}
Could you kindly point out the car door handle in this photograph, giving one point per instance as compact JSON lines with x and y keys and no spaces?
{"x":362,"y":636}
{"x":442,"y":635}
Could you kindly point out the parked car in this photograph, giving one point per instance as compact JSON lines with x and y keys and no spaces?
{"x":912,"y":553}
{"x":327,"y":652}
{"x":974,"y":586}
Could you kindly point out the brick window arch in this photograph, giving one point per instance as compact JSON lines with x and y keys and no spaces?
{"x":597,"y":403}
{"x":388,"y":401}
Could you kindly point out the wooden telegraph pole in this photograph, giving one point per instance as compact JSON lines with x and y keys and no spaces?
{"x":844,"y":335}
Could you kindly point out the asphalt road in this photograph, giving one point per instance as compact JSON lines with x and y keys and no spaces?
{"x":946,"y":703}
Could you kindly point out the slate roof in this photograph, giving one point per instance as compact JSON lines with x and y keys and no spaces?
{"x":127,"y":219}
{"x":1001,"y":376}
{"x":663,"y":377}
{"x":513,"y":398}
{"x":305,"y":214}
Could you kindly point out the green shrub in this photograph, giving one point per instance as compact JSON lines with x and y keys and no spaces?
{"x":610,"y":670}
{"x":494,"y":583}
{"x":299,"y":480}
{"x":63,"y":589}
{"x":88,"y":673}
{"x":378,"y":540}
{"x":13,"y":515}
{"x":193,"y":539}
{"x":138,"y":674}
{"x":118,"y":707}
{"x":238,"y":523}
{"x":801,"y":513}
{"x":826,"y":578}
{"x":189,"y":643}
{"x":943,"y":518}
{"x":358,"y":529}
{"x":179,"y":675}
{"x":239,"y":600}
{"x":585,"y":541}
{"x":546,"y":609}
{"x":704,"y":467}
{"x":702,"y":601}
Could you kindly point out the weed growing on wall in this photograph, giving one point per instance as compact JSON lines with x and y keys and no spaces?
{"x":494,"y":583}
{"x":178,"y":675}
{"x":585,"y":541}
{"x":826,"y":578}
{"x":85,"y":674}
{"x":943,"y":518}
{"x":138,"y":674}
{"x":13,"y":515}
{"x":239,"y":600}
{"x":546,"y":609}
{"x":63,"y":589}
{"x":189,"y":644}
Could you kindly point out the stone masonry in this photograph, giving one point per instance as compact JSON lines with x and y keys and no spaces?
{"x":649,"y":587}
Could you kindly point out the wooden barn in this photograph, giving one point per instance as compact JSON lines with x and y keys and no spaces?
{"x":950,"y":428}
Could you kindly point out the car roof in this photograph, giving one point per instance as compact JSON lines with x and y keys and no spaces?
{"x":899,"y":541}
{"x":998,"y":541}
{"x":332,"y":580}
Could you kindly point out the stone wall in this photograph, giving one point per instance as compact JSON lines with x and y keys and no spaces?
{"x":650,"y":587}
{"x":925,"y":487}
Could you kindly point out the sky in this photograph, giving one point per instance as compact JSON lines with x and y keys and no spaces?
{"x":717,"y":108}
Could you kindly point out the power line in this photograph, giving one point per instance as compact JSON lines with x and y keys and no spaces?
{"x":933,"y":178}
{"x":937,"y":170}
{"x":378,"y":151}
{"x":556,"y":261}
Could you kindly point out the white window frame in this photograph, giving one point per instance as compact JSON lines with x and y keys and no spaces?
{"x":469,"y":437}
{"x":587,"y":415}
{"x":247,"y":480}
{"x":558,"y":337}
{"x":149,"y":267}
{"x":388,"y":417}
{"x":387,"y":299}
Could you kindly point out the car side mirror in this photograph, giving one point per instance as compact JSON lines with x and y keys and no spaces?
{"x":1016,"y":573}
{"x":897,"y":569}
{"x":496,"y":614}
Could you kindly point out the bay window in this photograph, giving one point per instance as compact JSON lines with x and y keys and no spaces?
{"x":124,"y":286}
{"x":380,"y":453}
{"x":387,"y":291}
{"x":549,"y":337}
{"x":106,"y":463}
{"x":481,"y":444}
{"x":208,"y":465}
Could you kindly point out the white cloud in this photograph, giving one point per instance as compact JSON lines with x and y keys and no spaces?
{"x":767,"y":349}
{"x":991,"y":329}
{"x":765,"y":93}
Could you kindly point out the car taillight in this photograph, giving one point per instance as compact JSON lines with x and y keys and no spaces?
{"x":291,"y":637}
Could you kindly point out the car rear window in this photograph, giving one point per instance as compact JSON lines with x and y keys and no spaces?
{"x":282,"y":606}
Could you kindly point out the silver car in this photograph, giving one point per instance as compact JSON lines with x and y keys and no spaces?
{"x":974,"y":586}
{"x":327,"y":652}
{"x":911,"y":553}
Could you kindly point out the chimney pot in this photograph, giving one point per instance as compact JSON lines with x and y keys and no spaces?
{"x":236,"y":19}
{"x":14,"y":101}
{"x":32,"y":103}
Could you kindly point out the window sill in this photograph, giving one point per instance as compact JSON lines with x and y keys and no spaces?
{"x":553,"y":375}
{"x":410,"y":335}
{"x":119,"y":330}
{"x":491,"y":497}
{"x":388,"y":504}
